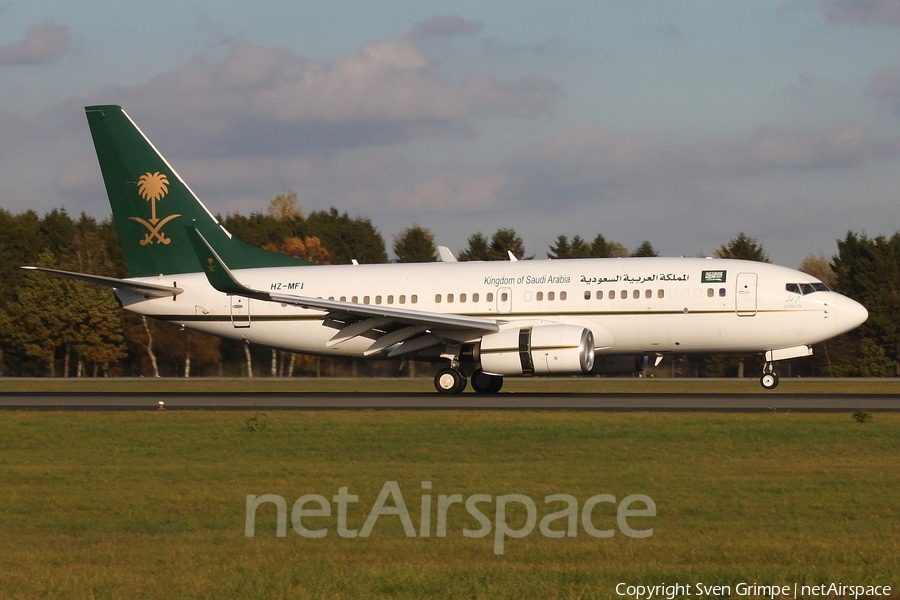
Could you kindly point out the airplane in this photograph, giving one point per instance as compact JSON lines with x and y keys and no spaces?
{"x":482,"y":321}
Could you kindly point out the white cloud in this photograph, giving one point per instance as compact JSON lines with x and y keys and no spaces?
{"x":44,"y":43}
{"x":270,"y":100}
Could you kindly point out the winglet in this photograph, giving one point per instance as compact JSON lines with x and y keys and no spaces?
{"x":445,"y":255}
{"x":215,"y":269}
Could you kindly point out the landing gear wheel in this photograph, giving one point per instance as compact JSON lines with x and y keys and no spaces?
{"x":483,"y":383}
{"x":449,"y":381}
{"x":769,"y":381}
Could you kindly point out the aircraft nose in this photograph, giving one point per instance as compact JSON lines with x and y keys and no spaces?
{"x":850,"y":314}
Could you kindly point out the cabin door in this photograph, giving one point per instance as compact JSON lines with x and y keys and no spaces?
{"x":240,"y":311}
{"x":745,"y":296}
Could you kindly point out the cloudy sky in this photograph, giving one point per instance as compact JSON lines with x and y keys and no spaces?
{"x":682,"y":123}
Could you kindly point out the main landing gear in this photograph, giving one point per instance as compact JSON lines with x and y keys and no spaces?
{"x":450,"y":381}
{"x":769,"y":379}
{"x":483,"y":383}
{"x":453,"y":381}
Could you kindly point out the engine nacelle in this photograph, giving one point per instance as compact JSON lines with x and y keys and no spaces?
{"x":542,"y":350}
{"x":620,"y":365}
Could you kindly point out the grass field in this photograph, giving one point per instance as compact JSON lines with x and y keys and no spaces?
{"x":153,"y":505}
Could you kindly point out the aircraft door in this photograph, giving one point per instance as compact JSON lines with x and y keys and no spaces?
{"x":745,"y":294}
{"x":240,"y":311}
{"x":504,"y":301}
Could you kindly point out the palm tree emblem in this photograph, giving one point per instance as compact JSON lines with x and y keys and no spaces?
{"x":153,"y":187}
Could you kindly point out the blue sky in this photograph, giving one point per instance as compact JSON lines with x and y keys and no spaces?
{"x":680,"y":123}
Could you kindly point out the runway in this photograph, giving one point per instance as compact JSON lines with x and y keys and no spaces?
{"x":765,"y":402}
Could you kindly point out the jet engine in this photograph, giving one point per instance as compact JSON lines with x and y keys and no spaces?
{"x":541,"y":350}
{"x":620,"y":364}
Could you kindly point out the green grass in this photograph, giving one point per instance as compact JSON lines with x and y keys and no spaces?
{"x":575,"y":385}
{"x":113,"y":505}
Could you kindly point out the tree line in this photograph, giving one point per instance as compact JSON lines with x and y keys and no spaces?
{"x":60,"y":327}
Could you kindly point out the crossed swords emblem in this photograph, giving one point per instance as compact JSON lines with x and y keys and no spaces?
{"x":153,"y":187}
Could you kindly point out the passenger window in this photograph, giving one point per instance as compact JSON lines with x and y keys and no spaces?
{"x":414,"y":299}
{"x":710,"y":293}
{"x":437,"y":298}
{"x":527,"y":296}
{"x":365,"y":299}
{"x":661,"y":293}
{"x":504,"y":297}
{"x":343,"y":298}
{"x":490,"y":297}
{"x":377,"y":299}
{"x":551,"y":296}
{"x":721,"y":292}
{"x":475,"y":297}
{"x":563,"y":295}
{"x":539,"y":296}
{"x":390,"y":299}
{"x":462,"y":297}
{"x":587,"y":294}
{"x":636,"y":294}
{"x":449,"y":297}
{"x":648,"y":294}
{"x":355,"y":299}
{"x":402,"y":298}
{"x":612,"y":294}
{"x":599,"y":294}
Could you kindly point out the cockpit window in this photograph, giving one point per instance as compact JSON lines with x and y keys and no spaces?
{"x":806,"y":288}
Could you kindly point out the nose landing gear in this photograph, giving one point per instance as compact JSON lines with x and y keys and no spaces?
{"x":769,"y":379}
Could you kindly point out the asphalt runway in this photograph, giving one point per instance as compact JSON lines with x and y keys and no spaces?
{"x":765,"y":402}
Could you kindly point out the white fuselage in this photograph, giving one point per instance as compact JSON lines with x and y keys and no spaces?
{"x":631,"y":305}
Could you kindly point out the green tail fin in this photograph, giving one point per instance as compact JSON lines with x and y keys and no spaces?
{"x":152,"y":205}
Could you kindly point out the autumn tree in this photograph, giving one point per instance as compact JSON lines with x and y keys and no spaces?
{"x":819,"y":267}
{"x":310,"y":249}
{"x":284,"y":207}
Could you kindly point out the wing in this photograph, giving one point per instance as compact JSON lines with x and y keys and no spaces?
{"x":398,"y":331}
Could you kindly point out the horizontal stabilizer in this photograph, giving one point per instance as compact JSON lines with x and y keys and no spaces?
{"x":149,"y":290}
